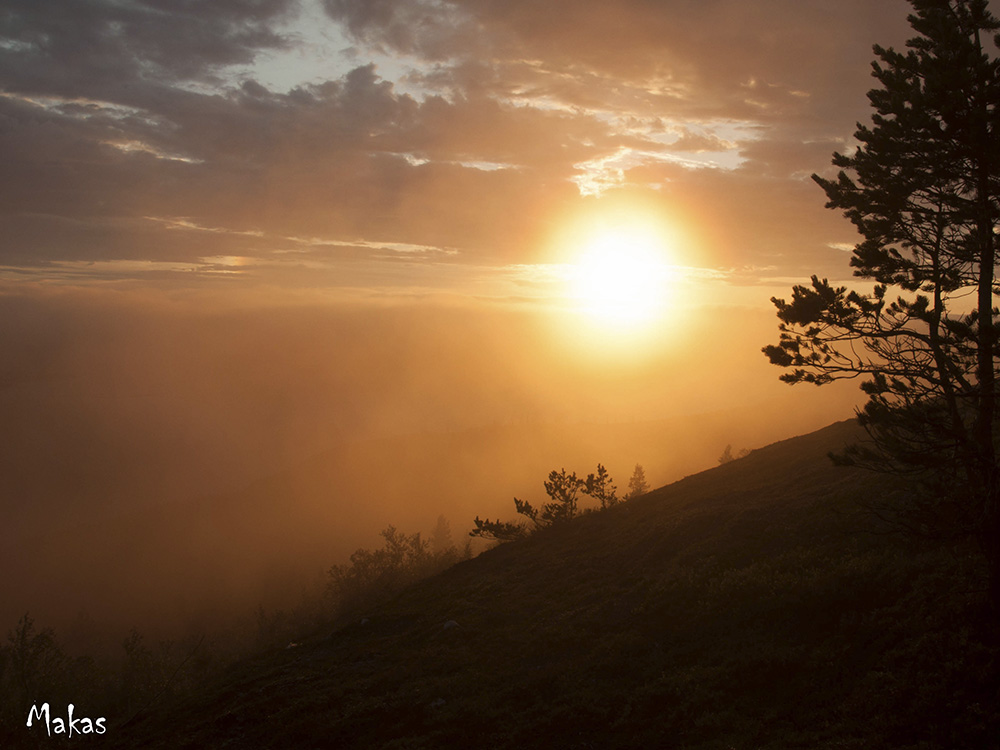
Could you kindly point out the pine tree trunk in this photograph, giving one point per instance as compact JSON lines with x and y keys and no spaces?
{"x":984,"y":426}
{"x":985,"y":420}
{"x":990,"y":542}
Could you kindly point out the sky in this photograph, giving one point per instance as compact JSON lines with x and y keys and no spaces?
{"x":465,"y":156}
{"x":368,"y":149}
{"x":238,"y":232}
{"x":441,"y":213}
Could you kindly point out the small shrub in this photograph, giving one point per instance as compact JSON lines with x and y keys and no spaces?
{"x":563,"y":490}
{"x":373,"y":574}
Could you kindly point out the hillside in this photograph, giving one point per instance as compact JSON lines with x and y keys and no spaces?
{"x":157,"y":563}
{"x":749,"y":606}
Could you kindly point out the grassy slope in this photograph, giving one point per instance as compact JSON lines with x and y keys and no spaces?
{"x":134,"y":562}
{"x":745,"y":607}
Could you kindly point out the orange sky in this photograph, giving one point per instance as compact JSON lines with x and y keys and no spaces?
{"x":456,"y":159}
{"x":449,"y":165}
{"x":282,"y":223}
{"x":452,"y":154}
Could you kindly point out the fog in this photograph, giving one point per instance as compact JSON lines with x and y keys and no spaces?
{"x":169,"y":460}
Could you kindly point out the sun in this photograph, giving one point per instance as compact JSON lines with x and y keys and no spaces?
{"x":621,"y":276}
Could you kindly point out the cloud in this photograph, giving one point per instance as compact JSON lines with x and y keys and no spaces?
{"x":703,"y":55}
{"x":326,"y":161}
{"x":434,"y":30}
{"x":480,"y":126}
{"x":101,"y":47}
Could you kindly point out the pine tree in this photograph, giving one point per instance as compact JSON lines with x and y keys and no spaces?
{"x":637,"y":484}
{"x":498,"y":531}
{"x":600,"y":487}
{"x":563,"y":490}
{"x":923,"y":191}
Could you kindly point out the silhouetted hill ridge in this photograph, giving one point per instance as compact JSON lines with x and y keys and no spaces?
{"x":158,"y":563}
{"x":750,"y":605}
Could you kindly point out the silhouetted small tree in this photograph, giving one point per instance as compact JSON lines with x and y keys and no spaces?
{"x":499,"y":531}
{"x":599,"y":487}
{"x":727,"y":454}
{"x":637,"y":484}
{"x":34,"y":661}
{"x":563,"y":490}
{"x":372,"y":574}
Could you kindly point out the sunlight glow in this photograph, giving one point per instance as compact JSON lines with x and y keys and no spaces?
{"x":621,"y":277}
